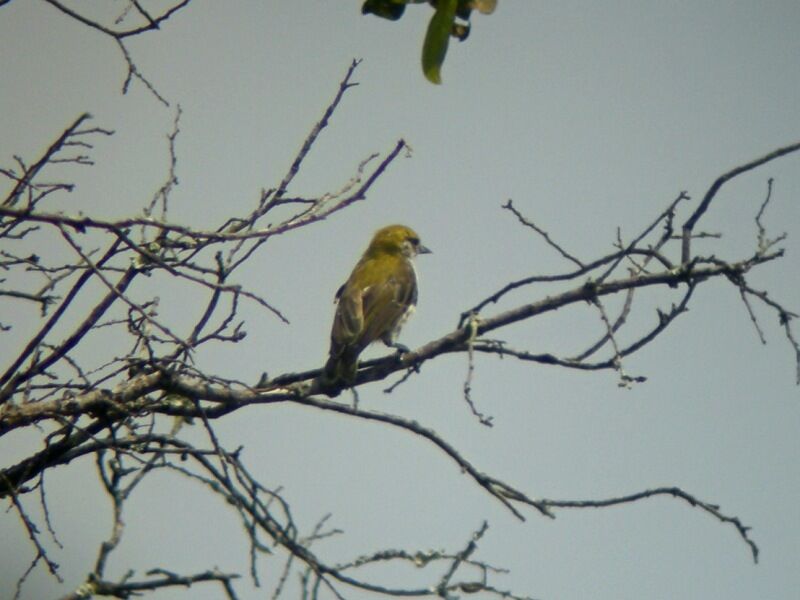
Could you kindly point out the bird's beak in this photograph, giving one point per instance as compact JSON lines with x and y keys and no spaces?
{"x":424,"y":250}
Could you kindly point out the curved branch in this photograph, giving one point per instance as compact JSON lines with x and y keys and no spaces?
{"x":688,"y":226}
{"x":675,"y":492}
{"x":152,"y":22}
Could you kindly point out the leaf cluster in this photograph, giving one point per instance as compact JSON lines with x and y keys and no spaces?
{"x":451,"y":18}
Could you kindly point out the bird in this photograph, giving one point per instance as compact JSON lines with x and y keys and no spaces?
{"x":374,"y":302}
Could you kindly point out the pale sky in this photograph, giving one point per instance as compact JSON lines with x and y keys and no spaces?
{"x":590,"y":116}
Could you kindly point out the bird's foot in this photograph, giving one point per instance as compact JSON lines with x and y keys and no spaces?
{"x":401,"y":348}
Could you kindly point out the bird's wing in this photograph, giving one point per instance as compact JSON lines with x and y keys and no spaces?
{"x":385,"y":305}
{"x":348,"y":321}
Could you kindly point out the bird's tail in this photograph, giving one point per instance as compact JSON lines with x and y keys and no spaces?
{"x":341,"y":368}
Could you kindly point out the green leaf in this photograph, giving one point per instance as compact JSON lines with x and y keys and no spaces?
{"x":434,"y":48}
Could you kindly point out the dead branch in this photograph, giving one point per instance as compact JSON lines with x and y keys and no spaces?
{"x":114,"y":411}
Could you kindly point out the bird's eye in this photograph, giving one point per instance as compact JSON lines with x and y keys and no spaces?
{"x":414,"y":241}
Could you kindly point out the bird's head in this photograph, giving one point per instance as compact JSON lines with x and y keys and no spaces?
{"x":396,"y":239}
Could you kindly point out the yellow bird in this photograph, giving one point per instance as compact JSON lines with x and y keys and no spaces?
{"x":375,"y":301}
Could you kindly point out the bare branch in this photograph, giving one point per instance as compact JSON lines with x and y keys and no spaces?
{"x":116,"y":409}
{"x":509,"y":206}
{"x":126,"y":589}
{"x":675,"y":492}
{"x":49,"y":156}
{"x":152,"y":22}
{"x":279,"y":193}
{"x":688,"y":226}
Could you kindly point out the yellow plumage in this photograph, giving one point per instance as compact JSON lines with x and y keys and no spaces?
{"x":375,"y":301}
